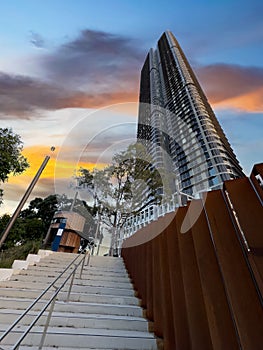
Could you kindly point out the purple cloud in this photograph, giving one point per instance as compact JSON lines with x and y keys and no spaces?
{"x":94,"y":70}
{"x":224,"y":81}
{"x":95,"y":59}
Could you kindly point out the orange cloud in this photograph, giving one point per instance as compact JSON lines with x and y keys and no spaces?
{"x":233,"y":86}
{"x":251,"y":102}
{"x":82,"y":100}
{"x":55,"y":177}
{"x":55,"y":168}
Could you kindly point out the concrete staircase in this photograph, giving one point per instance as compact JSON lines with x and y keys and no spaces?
{"x":102,"y":312}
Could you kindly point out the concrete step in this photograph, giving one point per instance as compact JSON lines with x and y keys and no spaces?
{"x":83,"y":282}
{"x":57,"y":268}
{"x":88,"y":298}
{"x":87,"y":269}
{"x":106,"y":261}
{"x":52,"y":264}
{"x":94,"y":338}
{"x":78,"y":320}
{"x":86,"y":274}
{"x":76,"y":288}
{"x":92,"y":273}
{"x":79,"y":307}
{"x":98,"y":261}
{"x":58,"y":262}
{"x":102,"y":283}
{"x":61,"y":255}
{"x":108,"y":268}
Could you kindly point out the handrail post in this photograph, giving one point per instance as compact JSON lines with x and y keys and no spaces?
{"x":71,"y":282}
{"x":82,"y":266}
{"x":47,"y":324}
{"x":88,"y":259}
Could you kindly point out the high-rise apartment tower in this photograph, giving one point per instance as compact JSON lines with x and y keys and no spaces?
{"x":178,"y":126}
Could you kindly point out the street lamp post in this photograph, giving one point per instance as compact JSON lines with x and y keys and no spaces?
{"x":24,"y":199}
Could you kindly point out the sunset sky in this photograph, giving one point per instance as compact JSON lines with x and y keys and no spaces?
{"x":69,"y":76}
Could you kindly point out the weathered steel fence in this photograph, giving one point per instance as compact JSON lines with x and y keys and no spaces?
{"x":203,"y":288}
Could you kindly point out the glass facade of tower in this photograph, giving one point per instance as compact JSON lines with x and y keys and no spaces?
{"x":178,"y":126}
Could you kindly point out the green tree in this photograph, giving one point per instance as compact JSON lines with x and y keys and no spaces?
{"x":42,"y":209}
{"x":24,"y":230}
{"x":123,"y":188}
{"x":12,"y":162}
{"x":24,"y":238}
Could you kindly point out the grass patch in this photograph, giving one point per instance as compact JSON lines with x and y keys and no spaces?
{"x":8,"y":256}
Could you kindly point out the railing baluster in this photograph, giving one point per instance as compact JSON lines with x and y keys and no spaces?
{"x":82,"y":265}
{"x":88,"y":259}
{"x":47,"y":324}
{"x":71,"y":283}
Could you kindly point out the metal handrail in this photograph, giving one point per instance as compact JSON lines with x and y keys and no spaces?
{"x":234,"y":219}
{"x":52,"y":299}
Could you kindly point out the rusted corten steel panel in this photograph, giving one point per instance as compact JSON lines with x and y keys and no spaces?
{"x":149,"y":282}
{"x":143,"y":272}
{"x":219,"y":317}
{"x":198,"y":281}
{"x":241,"y":291}
{"x":178,"y":306}
{"x":158,"y":311}
{"x":195,"y":308}
{"x":247,"y":206}
{"x":165,"y":289}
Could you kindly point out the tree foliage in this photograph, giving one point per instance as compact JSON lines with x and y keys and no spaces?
{"x":24,"y":230}
{"x":12,"y":162}
{"x":129,"y":184}
{"x":42,"y":209}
